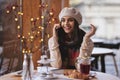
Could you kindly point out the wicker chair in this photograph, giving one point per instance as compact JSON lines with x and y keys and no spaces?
{"x":10,"y":53}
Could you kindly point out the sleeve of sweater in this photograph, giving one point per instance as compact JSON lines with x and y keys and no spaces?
{"x":86,"y":47}
{"x":54,"y":53}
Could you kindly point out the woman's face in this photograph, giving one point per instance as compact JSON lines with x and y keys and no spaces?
{"x":67,"y":24}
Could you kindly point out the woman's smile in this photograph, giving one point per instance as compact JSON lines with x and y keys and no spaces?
{"x":67,"y":29}
{"x":67,"y":24}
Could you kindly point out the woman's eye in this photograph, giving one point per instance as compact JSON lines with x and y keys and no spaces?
{"x":70,"y":19}
{"x":62,"y":20}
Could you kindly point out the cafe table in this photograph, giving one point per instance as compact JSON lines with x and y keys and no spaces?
{"x":98,"y":40}
{"x":98,"y":76}
{"x":99,"y":52}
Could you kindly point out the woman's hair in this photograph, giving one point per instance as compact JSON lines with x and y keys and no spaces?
{"x":76,"y":37}
{"x":65,"y":44}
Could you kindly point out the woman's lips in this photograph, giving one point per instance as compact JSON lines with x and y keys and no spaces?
{"x":67,"y":28}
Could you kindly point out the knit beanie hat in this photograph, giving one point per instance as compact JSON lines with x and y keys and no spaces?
{"x":72,"y":12}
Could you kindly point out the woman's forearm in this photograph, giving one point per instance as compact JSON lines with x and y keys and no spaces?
{"x":86,"y":47}
{"x":54,"y":53}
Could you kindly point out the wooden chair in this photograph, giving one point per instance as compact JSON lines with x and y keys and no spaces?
{"x":10,"y":52}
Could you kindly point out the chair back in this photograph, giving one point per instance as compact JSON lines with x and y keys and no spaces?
{"x":11,"y":52}
{"x":10,"y":48}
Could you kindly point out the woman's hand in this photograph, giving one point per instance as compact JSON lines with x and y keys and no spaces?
{"x":91,"y":32}
{"x":56,"y":26}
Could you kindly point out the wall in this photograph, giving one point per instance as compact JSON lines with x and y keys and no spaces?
{"x":31,"y":9}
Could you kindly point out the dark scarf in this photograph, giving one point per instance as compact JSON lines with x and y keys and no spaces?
{"x":68,"y":46}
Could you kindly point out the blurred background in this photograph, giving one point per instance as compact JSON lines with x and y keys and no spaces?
{"x":104,"y":14}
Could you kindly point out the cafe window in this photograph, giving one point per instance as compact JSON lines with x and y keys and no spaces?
{"x":103,"y":14}
{"x":8,"y":29}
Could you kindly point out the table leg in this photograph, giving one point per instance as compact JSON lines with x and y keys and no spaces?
{"x":103,"y":63}
{"x":1,"y":61}
{"x":94,"y":63}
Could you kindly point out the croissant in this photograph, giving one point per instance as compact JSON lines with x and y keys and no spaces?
{"x":74,"y":74}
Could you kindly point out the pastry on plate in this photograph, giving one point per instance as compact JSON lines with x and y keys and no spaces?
{"x":74,"y":74}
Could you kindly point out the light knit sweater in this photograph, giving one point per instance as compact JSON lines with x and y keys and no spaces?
{"x":85,"y":50}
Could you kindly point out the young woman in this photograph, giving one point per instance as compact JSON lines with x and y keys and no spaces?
{"x":69,"y":41}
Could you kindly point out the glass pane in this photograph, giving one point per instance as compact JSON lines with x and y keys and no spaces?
{"x":9,"y":21}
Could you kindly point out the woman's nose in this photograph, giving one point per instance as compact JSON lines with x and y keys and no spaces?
{"x":66,"y":22}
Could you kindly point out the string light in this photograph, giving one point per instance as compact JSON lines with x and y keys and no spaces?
{"x":7,"y":11}
{"x":46,"y":5}
{"x":16,"y":19}
{"x":50,"y":22}
{"x":39,"y":27}
{"x":42,"y":17}
{"x":42,"y":28}
{"x":13,"y":7}
{"x":36,"y":28}
{"x":31,"y":37}
{"x":23,"y":37}
{"x":29,"y":51}
{"x":53,"y":19}
{"x":23,"y":51}
{"x":29,"y":33}
{"x":38,"y":32}
{"x":18,"y":27}
{"x":31,"y":19}
{"x":20,"y":13}
{"x":40,"y":6}
{"x":48,"y":35}
{"x":18,"y":36}
{"x":51,"y":13}
{"x":37,"y":18}
{"x":41,"y":40}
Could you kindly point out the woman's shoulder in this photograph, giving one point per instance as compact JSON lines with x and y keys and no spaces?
{"x":52,"y":39}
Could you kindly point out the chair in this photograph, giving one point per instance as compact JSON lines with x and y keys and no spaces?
{"x":102,"y":53}
{"x":10,"y":52}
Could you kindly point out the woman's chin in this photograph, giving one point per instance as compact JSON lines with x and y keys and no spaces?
{"x":67,"y":32}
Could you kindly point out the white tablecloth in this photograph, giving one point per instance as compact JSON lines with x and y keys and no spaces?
{"x":99,"y":76}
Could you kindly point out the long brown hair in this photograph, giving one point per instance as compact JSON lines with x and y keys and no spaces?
{"x":73,"y":44}
{"x":76,"y":37}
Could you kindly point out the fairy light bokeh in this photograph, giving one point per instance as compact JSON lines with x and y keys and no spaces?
{"x":36,"y":29}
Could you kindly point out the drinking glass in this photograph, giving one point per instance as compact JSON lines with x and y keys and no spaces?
{"x":83,"y":65}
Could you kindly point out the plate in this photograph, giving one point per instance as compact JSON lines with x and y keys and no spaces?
{"x":47,"y":61}
{"x":18,"y":74}
{"x":44,"y":68}
{"x":48,"y":77}
{"x":75,"y":79}
{"x":45,"y":78}
{"x":57,"y":71}
{"x":61,"y":72}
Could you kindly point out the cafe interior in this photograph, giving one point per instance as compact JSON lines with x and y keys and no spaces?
{"x":27,"y":25}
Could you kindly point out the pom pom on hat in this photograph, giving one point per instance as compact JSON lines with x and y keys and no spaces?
{"x":72,"y":12}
